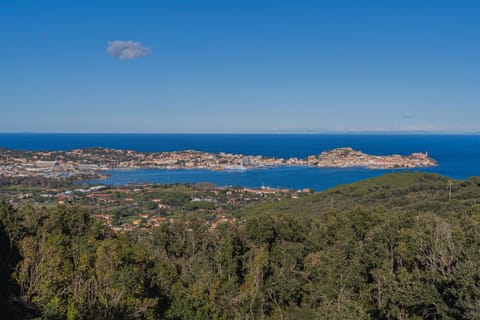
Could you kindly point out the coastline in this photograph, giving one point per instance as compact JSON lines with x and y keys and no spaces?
{"x":96,"y":160}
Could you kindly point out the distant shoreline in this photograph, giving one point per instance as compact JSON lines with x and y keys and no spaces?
{"x":95,"y":160}
{"x":320,"y":133}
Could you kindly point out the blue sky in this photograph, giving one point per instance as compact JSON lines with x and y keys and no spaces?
{"x":240,"y":66}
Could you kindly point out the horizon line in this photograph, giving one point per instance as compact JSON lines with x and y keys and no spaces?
{"x":338,"y":132}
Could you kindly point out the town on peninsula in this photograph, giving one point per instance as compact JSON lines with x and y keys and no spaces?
{"x":93,"y":161}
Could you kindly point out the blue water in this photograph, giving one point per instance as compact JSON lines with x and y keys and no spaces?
{"x":458,"y":155}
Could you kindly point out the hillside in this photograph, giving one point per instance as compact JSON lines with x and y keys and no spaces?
{"x":405,"y":191}
{"x":393,"y":247}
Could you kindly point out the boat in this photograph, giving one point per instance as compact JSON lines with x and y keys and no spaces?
{"x":236,"y":168}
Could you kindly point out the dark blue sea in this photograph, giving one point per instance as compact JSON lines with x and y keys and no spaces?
{"x":458,"y":155}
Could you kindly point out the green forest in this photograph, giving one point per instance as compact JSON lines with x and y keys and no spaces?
{"x":400,"y":246}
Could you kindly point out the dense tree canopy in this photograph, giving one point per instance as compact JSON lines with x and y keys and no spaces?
{"x":394,"y":247}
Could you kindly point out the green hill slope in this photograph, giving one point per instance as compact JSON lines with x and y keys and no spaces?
{"x":405,"y":191}
{"x":392,"y":247}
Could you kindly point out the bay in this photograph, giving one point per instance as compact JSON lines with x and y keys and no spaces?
{"x":458,"y":155}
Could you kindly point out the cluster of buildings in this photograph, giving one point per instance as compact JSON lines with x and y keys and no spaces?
{"x":68,"y":195}
{"x":347,"y":157}
{"x":94,"y":160}
{"x":48,"y":164}
{"x":142,"y":222}
{"x":148,"y":219}
{"x":145,"y":222}
{"x":191,"y":159}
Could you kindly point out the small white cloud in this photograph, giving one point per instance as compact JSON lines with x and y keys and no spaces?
{"x":125,"y":50}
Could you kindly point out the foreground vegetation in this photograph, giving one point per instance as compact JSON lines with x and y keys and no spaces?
{"x":400,"y":246}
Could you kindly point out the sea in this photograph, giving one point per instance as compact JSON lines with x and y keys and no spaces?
{"x":458,"y":155}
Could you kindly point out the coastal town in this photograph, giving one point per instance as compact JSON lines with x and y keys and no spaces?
{"x":94,"y":161}
{"x":58,"y":178}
